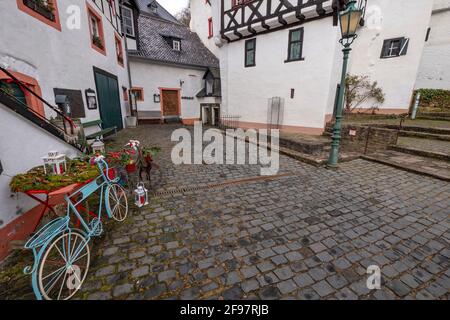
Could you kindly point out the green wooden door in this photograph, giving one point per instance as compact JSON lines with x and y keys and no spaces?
{"x":108,"y":99}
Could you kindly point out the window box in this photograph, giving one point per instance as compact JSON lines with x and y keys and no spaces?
{"x":97,"y":41}
{"x":96,"y":33}
{"x":44,"y":8}
{"x":45,"y":11}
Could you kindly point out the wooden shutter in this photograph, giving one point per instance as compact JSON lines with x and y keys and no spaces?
{"x":404,"y":46}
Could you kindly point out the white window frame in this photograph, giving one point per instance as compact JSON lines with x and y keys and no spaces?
{"x":176,"y":45}
{"x":132,"y":21}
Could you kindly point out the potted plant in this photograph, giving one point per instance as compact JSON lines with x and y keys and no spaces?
{"x":150,"y":152}
{"x":44,"y":8}
{"x":97,"y":41}
{"x":130,"y":164}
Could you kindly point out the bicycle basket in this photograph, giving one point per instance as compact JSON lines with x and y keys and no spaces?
{"x":47,"y":232}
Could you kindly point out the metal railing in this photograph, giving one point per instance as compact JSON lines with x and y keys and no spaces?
{"x":64,"y":117}
{"x":227,"y":121}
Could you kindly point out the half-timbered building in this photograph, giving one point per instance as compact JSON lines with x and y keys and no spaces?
{"x":281,"y":59}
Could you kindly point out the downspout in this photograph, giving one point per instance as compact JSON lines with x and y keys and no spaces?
{"x":130,"y":84}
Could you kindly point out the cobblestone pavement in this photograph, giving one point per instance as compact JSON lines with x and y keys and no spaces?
{"x":309,"y":233}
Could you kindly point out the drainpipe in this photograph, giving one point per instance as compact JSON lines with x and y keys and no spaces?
{"x":130,"y":84}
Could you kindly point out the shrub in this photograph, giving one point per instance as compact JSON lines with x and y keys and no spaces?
{"x":359,"y":89}
{"x":434,"y":98}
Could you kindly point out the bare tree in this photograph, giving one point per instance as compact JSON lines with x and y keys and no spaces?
{"x":184,"y":16}
{"x":360,"y":89}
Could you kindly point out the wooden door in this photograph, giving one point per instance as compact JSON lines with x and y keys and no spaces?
{"x":170,"y":103}
{"x":108,"y":99}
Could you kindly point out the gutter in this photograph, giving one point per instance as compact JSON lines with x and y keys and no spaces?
{"x":130,"y":84}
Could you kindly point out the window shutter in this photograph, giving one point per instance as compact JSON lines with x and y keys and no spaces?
{"x":404,"y":46}
{"x":384,"y":50}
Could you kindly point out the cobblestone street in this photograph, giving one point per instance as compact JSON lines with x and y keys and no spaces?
{"x":309,"y":233}
{"x":223,"y":232}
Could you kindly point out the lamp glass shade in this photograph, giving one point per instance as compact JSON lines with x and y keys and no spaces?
{"x":349,"y":22}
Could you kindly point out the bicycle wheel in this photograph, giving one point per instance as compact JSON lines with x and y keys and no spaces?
{"x":64,"y":266}
{"x":116,"y":202}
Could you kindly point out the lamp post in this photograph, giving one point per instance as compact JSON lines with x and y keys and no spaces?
{"x":349,"y":21}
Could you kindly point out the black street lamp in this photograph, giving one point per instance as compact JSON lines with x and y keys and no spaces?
{"x":349,"y":19}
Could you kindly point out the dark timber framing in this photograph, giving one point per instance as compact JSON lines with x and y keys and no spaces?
{"x":239,"y":17}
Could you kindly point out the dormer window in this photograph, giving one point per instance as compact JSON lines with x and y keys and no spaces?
{"x":153,"y":7}
{"x":176,"y":45}
{"x":128,"y":21}
{"x":209,"y":87}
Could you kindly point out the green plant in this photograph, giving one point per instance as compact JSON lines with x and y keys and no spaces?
{"x":45,"y":4}
{"x":7,"y":90}
{"x":359,"y":89}
{"x":97,"y":41}
{"x":151,"y":151}
{"x":434,"y":98}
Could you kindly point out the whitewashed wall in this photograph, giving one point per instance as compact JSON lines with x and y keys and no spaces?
{"x":247,"y":90}
{"x":151,"y":77}
{"x":22,"y":144}
{"x":57,"y":59}
{"x":434,"y":71}
{"x":385,"y":20}
{"x":200,"y":13}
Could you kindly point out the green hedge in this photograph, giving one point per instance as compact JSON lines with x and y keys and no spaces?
{"x":434,"y":98}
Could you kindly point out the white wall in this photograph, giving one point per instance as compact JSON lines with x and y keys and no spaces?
{"x":22,"y":144}
{"x":385,"y":20}
{"x":434,"y":71}
{"x":57,"y":59}
{"x":200,"y":13}
{"x":247,"y":90}
{"x":151,"y":77}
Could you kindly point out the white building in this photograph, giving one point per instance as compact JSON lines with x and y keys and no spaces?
{"x":72,"y":48}
{"x":434,"y":71}
{"x":284,"y":49}
{"x":172,"y":71}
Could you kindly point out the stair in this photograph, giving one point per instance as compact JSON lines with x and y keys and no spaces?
{"x":69,"y":134}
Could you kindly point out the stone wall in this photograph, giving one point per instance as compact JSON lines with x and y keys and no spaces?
{"x":365,"y":139}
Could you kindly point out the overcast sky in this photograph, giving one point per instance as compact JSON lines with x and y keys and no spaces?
{"x":173,"y":6}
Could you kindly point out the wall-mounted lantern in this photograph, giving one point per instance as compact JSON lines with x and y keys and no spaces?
{"x":157,"y":98}
{"x":91,"y":99}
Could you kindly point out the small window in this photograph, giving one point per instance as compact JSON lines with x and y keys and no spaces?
{"x":119,"y":49}
{"x":138,"y":93}
{"x":96,"y":30}
{"x":125,"y":93}
{"x":250,"y":53}
{"x":176,"y":45}
{"x":45,"y":11}
{"x":209,"y":86}
{"x":295,"y":46}
{"x":394,"y":48}
{"x":210,"y":28}
{"x":128,"y":22}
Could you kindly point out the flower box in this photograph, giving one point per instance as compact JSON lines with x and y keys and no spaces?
{"x":39,"y":7}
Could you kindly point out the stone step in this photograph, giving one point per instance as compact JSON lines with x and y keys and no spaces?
{"x":420,"y":152}
{"x":432,"y":130}
{"x":440,"y":118}
{"x":421,"y":165}
{"x":434,"y":114}
{"x":424,"y":135}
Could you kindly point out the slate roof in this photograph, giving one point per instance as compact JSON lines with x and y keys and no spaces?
{"x":154,"y":46}
{"x":143,"y":6}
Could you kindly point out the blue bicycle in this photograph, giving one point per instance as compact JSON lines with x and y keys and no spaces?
{"x":62,"y":253}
